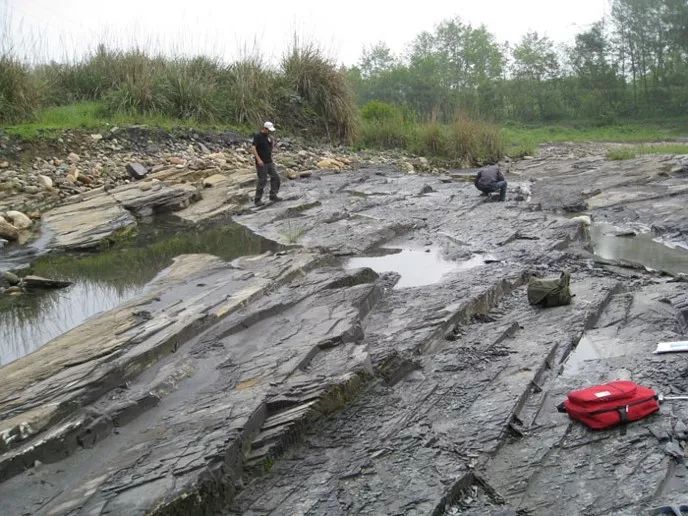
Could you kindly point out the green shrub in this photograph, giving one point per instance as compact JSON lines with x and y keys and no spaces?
{"x":385,"y":135}
{"x":474,"y":142}
{"x":19,"y":91}
{"x":377,"y":111}
{"x":431,"y":140}
{"x":620,"y":154}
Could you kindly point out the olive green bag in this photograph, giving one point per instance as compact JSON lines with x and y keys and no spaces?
{"x":549,"y":292}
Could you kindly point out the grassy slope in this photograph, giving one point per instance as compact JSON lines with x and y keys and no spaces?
{"x":89,"y":115}
{"x":523,"y":139}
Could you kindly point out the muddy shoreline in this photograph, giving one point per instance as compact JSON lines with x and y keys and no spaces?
{"x":327,"y":378}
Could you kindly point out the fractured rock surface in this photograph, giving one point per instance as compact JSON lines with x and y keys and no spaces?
{"x":294,"y":383}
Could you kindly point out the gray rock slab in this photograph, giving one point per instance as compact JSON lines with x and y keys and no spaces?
{"x":86,"y":221}
{"x":93,"y":217}
{"x":202,"y":405}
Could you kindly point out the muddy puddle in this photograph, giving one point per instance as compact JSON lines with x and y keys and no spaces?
{"x":637,"y":249}
{"x":417,"y":266}
{"x":104,"y":280}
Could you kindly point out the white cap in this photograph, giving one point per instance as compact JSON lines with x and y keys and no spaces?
{"x":269,"y":126}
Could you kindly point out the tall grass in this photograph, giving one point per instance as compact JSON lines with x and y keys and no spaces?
{"x":19,"y":91}
{"x":323,"y":90}
{"x":308,"y":92}
{"x":248,"y":91}
{"x":464,"y":142}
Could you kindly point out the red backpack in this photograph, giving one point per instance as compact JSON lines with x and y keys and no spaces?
{"x":607,"y":405}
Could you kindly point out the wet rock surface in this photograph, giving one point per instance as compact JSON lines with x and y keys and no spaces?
{"x":297,"y":382}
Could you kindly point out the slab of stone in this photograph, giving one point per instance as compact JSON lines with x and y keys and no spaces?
{"x":87,"y":221}
{"x":31,"y":281}
{"x":201,"y":406}
{"x":93,"y":217}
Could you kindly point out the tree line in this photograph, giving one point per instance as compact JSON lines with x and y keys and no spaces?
{"x":633,"y":64}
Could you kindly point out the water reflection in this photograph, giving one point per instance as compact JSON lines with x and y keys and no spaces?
{"x":416,"y":266}
{"x":105,"y":280}
{"x":641,"y":249}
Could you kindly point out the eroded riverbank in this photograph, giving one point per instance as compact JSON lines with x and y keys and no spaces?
{"x":298,"y":383}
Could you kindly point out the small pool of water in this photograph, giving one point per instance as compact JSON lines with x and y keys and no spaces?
{"x":591,"y":348}
{"x":643,"y":249}
{"x":416,"y":266}
{"x":105,"y":280}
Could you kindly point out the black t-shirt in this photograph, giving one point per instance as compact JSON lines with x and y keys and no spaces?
{"x":263,"y":144}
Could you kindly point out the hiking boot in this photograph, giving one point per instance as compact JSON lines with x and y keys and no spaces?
{"x":258,"y":202}
{"x":275,"y":198}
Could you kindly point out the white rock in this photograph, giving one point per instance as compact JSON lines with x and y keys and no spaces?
{"x":19,"y":220}
{"x":585,"y":220}
{"x":73,"y":157}
{"x":45,"y":181}
{"x":96,"y":137}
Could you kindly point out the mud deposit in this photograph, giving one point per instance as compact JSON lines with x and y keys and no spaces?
{"x":384,"y":360}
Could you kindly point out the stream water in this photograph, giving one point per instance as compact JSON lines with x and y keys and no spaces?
{"x":107,"y":279}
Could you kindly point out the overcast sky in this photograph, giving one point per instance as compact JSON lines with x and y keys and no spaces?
{"x":64,"y":28}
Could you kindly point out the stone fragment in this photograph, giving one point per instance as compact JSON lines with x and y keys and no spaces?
{"x":40,"y":282}
{"x":8,"y":231}
{"x":136,"y":170}
{"x":19,"y":220}
{"x":11,"y":278}
{"x":45,"y":181}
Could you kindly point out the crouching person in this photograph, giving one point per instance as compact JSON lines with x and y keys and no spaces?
{"x":490,"y":179}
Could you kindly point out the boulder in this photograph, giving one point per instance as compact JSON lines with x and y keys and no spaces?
{"x":19,"y":220}
{"x":330,"y":164}
{"x":407,"y":167}
{"x":136,"y":170}
{"x":8,"y":231}
{"x":11,"y":278}
{"x":45,"y":181}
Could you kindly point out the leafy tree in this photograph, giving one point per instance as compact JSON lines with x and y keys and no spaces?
{"x":376,"y":60}
{"x":535,"y":58}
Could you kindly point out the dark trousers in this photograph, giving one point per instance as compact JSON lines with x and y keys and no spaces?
{"x":263,"y":171}
{"x":496,"y":186}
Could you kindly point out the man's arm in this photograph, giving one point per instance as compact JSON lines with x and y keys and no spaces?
{"x":477,"y":177}
{"x":255,"y":154}
{"x":500,"y":176}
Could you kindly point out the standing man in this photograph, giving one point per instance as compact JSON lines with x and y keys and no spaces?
{"x":490,"y":179}
{"x":262,"y":147}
